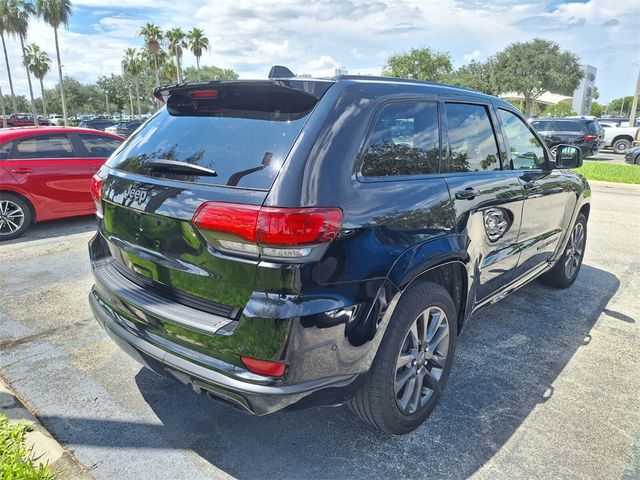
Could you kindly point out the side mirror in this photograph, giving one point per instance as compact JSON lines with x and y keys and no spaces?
{"x":568,"y":156}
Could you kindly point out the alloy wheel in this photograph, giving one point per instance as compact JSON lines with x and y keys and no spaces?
{"x":422,"y":360}
{"x":575,"y":249}
{"x":11,"y":217}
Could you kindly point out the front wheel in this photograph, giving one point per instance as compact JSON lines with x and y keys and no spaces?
{"x":565,"y":271}
{"x":413,"y":363}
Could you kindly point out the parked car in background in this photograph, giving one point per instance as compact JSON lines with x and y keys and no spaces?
{"x":97,"y":123}
{"x":25,"y":120}
{"x":124,"y":129}
{"x":587,"y":134}
{"x":55,"y":119}
{"x":632,"y":156}
{"x":305,"y":241}
{"x":45,"y":173}
{"x":618,"y":138}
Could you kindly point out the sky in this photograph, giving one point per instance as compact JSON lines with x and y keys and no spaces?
{"x":317,"y":36}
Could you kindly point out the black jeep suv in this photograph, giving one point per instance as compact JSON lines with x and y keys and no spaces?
{"x":317,"y":242}
{"x":587,"y":134}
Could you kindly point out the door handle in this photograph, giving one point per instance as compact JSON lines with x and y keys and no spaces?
{"x":21,"y":170}
{"x":95,"y":168}
{"x":468,"y":193}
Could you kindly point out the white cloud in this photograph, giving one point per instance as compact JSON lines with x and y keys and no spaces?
{"x":317,"y":36}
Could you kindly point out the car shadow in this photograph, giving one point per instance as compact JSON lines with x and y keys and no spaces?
{"x":55,"y":228}
{"x":506,"y":362}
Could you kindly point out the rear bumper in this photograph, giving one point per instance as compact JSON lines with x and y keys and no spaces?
{"x":224,"y":382}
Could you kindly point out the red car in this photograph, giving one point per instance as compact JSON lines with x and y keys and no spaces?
{"x":45,"y":173}
{"x":25,"y":120}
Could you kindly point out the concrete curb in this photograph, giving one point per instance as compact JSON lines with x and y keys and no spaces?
{"x":45,"y":448}
{"x":614,"y":185}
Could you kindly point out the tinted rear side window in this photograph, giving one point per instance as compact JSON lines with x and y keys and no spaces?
{"x":570,"y":126}
{"x":99,"y":146}
{"x":542,"y":126}
{"x":245,"y":148}
{"x":472,"y":142}
{"x":404,"y":141}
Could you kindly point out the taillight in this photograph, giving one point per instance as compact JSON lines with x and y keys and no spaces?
{"x":264,"y":367}
{"x":589,"y":138}
{"x":96,"y":193}
{"x":270,"y":231}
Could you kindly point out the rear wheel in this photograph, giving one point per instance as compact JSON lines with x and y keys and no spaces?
{"x":565,"y":271}
{"x":621,"y":145}
{"x":15,"y":216}
{"x":413,"y":363}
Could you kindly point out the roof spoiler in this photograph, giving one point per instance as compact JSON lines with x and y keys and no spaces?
{"x":278,"y":71}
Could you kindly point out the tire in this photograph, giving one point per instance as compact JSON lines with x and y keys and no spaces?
{"x":566,"y":269}
{"x":15,"y":216}
{"x":621,"y":145}
{"x":421,"y":371}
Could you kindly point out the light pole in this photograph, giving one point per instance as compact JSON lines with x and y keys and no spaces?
{"x":634,"y":105}
{"x":106,"y":101}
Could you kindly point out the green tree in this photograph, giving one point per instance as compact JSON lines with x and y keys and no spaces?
{"x":209,"y":72}
{"x":597,"y":110}
{"x":420,"y":64}
{"x":17,"y":15}
{"x":197,"y":43}
{"x":133,"y":66}
{"x":4,"y":28}
{"x":531,"y":68}
{"x":561,"y":109}
{"x":22,"y":104}
{"x":153,"y":49}
{"x":39,"y":63}
{"x":115,"y":88}
{"x":476,"y":76}
{"x":176,"y":43}
{"x":620,"y":106}
{"x":56,"y":13}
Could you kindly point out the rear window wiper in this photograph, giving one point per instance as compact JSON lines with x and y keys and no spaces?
{"x":175,"y":166}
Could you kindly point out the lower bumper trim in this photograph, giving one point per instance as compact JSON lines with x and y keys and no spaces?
{"x":254,"y":398}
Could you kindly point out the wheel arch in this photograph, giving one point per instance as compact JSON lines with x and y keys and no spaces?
{"x":622,"y":136}
{"x":452,"y":275}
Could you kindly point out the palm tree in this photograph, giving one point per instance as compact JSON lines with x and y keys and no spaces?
{"x":153,"y":41}
{"x":197,"y":43}
{"x":39,"y":63}
{"x":4,"y":27}
{"x":56,"y":13}
{"x":133,"y":65}
{"x":177,"y":42}
{"x":18,"y":13}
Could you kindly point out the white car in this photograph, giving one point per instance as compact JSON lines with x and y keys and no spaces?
{"x":56,"y":119}
{"x":618,"y":138}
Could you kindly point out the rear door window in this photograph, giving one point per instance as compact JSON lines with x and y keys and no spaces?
{"x":99,"y":146}
{"x":43,"y":146}
{"x":472,"y":142}
{"x":405,"y":140}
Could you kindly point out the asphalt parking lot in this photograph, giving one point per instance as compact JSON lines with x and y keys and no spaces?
{"x":608,"y":156}
{"x":545,"y":383}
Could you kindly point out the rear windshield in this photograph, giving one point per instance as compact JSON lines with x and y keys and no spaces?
{"x":239,"y":146}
